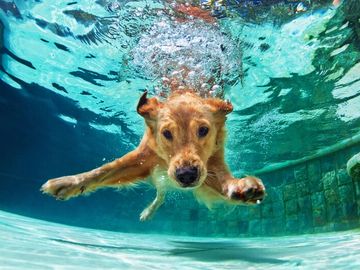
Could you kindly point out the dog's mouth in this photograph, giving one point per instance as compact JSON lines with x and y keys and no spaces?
{"x":189,"y":186}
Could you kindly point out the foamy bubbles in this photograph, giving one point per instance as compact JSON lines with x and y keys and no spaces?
{"x":191,"y":54}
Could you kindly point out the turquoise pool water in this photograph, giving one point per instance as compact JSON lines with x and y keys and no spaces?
{"x":28,"y":243}
{"x":70,"y":76}
{"x":284,"y":74}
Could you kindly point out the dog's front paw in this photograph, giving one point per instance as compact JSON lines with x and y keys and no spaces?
{"x":63,"y":188}
{"x":249,"y":189}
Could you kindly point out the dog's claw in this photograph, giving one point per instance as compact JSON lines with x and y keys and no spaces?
{"x":250,"y":192}
{"x":82,"y":189}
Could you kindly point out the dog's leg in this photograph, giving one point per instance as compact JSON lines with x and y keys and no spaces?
{"x":133,"y":166}
{"x":149,"y":211}
{"x":249,"y":189}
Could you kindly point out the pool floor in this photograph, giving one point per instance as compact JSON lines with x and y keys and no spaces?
{"x":27,"y":243}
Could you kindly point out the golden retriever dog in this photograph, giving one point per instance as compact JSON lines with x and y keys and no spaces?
{"x":183,"y":148}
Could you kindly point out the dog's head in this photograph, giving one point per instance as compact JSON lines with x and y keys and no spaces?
{"x":185,"y":131}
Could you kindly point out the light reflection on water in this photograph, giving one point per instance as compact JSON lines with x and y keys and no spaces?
{"x":36,"y":244}
{"x":293,"y":81}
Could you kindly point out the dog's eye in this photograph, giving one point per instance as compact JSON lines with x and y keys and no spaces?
{"x":167,"y":134}
{"x":203,"y":131}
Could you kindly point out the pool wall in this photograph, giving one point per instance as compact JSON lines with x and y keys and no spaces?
{"x":315,"y":196}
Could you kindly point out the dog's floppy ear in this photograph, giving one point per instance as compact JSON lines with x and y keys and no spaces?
{"x":148,"y":107}
{"x":220,"y":106}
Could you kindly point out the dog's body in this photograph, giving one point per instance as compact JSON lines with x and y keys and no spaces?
{"x":183,"y":147}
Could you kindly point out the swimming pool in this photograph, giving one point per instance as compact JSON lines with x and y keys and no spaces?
{"x":71,"y":74}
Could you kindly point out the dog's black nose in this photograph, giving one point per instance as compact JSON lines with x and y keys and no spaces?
{"x":187,"y":175}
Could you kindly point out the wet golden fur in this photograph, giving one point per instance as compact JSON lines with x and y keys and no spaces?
{"x":182,"y":114}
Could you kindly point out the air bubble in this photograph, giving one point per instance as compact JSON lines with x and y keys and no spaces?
{"x":188,"y":52}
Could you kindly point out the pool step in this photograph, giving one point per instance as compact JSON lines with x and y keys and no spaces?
{"x":353,"y":166}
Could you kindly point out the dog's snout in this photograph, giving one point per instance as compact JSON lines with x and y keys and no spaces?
{"x":187,"y":175}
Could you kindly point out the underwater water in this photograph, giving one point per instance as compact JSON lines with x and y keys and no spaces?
{"x":71,"y":74}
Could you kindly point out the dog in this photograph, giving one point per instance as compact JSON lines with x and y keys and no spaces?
{"x":182,"y":147}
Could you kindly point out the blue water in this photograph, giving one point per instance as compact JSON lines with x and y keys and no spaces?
{"x":70,"y":77}
{"x":284,"y":78}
